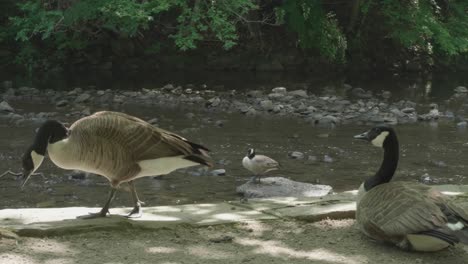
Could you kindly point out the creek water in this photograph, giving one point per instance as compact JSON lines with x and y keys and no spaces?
{"x":433,"y":151}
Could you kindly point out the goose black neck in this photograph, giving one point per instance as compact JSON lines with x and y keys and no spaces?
{"x":389,"y":163}
{"x":50,"y":132}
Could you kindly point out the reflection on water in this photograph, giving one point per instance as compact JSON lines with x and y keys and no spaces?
{"x":426,"y":149}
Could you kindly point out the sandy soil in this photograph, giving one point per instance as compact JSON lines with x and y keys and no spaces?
{"x":328,"y":241}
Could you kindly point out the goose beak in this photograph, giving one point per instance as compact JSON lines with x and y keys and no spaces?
{"x":363,"y":136}
{"x":24,"y":178}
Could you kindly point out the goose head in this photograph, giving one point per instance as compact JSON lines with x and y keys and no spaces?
{"x":379,"y":136}
{"x":49,"y":132}
{"x":251,"y":153}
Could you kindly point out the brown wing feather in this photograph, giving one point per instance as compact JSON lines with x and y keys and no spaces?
{"x":400,"y":208}
{"x":142,"y":140}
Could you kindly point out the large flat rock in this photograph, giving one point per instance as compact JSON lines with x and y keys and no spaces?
{"x":53,"y":221}
{"x":282,"y":187}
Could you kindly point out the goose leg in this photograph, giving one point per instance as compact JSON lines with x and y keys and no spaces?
{"x":136,"y":211}
{"x":255,"y":179}
{"x":105,"y":210}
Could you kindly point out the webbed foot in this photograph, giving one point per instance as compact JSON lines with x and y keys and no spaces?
{"x":102,"y":213}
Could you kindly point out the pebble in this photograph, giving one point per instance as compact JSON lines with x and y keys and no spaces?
{"x":153,"y":121}
{"x":327,"y":159}
{"x":82,"y":98}
{"x":408,"y":110}
{"x":218,"y":172}
{"x":266,"y":105}
{"x":213,"y":102}
{"x":61,"y":103}
{"x":462,"y":124}
{"x":6,"y":108}
{"x":296,"y":155}
{"x":461,"y":89}
{"x":219,"y":123}
{"x":279,"y":90}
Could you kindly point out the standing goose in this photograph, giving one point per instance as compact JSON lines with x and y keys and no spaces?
{"x":409,"y":215}
{"x":118,"y":146}
{"x":258,"y":164}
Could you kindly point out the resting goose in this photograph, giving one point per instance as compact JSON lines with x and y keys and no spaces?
{"x":409,"y":215}
{"x":258,"y":164}
{"x":118,"y":146}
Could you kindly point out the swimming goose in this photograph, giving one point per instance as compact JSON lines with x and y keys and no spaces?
{"x":409,"y":215}
{"x":258,"y":164}
{"x":118,"y":146}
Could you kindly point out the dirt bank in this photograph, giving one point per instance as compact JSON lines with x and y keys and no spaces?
{"x":328,"y":241}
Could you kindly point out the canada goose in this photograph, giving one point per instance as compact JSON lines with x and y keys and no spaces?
{"x":409,"y":215}
{"x":118,"y":146}
{"x":258,"y":164}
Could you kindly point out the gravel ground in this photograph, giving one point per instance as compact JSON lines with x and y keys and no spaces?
{"x":328,"y":241}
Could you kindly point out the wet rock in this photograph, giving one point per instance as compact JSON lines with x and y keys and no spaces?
{"x":275,"y":96}
{"x":61,"y":103}
{"x":296,"y":155}
{"x":6,"y":108}
{"x":119,"y":99}
{"x":327,"y":159}
{"x":254,"y":93}
{"x":312,"y":159}
{"x":328,"y":120}
{"x":86,"y":111}
{"x":427,"y":179}
{"x":361,"y":93}
{"x":243,"y":108}
{"x":106,"y":98}
{"x":277,"y":108}
{"x":213,"y":102}
{"x":130,"y":93}
{"x":461,"y":89}
{"x":281,"y":90}
{"x":408,"y":110}
{"x":282,"y":187}
{"x":251,"y":112}
{"x":386,"y":94}
{"x":432,"y":115}
{"x":266,"y":105}
{"x":462,"y":124}
{"x":190,"y":115}
{"x":168,"y":87}
{"x":219,"y":123}
{"x":82,"y":98}
{"x":299,"y":93}
{"x":77,"y":175}
{"x":438,"y":163}
{"x":218,"y":172}
{"x":449,"y":114}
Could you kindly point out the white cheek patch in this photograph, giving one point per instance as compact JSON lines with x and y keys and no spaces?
{"x":379,"y":140}
{"x":37,"y":159}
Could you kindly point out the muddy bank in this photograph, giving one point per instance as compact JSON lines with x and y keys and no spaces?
{"x":327,"y":241}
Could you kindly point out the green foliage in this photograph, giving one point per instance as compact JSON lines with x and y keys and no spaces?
{"x":82,"y":24}
{"x":423,"y":26}
{"x":48,"y":33}
{"x":316,"y":29}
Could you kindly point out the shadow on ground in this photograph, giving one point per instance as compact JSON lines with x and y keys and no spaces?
{"x":327,"y":241}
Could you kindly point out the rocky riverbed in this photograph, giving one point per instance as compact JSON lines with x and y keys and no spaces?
{"x":335,"y":106}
